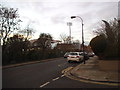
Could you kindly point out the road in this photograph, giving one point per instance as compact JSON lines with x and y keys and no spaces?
{"x":42,"y":75}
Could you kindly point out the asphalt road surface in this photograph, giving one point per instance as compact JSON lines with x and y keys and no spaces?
{"x":43,"y":75}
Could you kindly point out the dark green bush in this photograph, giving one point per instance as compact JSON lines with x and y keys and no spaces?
{"x":98,"y":44}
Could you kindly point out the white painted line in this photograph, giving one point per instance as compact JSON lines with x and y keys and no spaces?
{"x":55,"y":79}
{"x":58,"y":65}
{"x":62,"y":75}
{"x":44,"y":84}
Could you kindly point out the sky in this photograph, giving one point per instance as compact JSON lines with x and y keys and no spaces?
{"x":51,"y":16}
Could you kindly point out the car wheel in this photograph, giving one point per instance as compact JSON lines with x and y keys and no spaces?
{"x":78,"y":61}
{"x":69,"y":61}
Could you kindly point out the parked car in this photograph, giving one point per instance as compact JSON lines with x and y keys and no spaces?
{"x":75,"y":56}
{"x":85,"y":54}
{"x":91,"y":54}
{"x":66,"y":54}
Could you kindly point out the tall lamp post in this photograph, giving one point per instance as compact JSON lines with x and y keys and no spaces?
{"x":69,"y":24}
{"x":82,"y":35}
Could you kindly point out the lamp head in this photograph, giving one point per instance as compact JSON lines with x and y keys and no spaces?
{"x":73,"y":17}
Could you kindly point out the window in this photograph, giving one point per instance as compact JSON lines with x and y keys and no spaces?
{"x":73,"y":54}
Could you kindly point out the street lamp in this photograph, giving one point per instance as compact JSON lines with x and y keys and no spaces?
{"x":82,"y":35}
{"x":69,"y":24}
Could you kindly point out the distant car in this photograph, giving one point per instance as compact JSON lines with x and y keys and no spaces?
{"x":75,"y":56}
{"x":85,"y":54}
{"x":91,"y":54}
{"x":66,"y":54}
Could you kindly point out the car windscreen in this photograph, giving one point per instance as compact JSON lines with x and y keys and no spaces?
{"x":66,"y":53}
{"x":73,"y":54}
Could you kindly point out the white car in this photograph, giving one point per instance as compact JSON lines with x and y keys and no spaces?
{"x":66,"y":54}
{"x":75,"y":56}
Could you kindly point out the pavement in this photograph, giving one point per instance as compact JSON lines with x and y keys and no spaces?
{"x":91,"y":71}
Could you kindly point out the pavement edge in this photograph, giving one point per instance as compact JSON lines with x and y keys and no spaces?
{"x":67,"y":72}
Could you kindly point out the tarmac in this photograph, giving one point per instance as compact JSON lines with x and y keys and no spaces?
{"x":91,"y":72}
{"x":26,"y":63}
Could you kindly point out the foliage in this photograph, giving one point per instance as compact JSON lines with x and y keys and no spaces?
{"x":28,"y":32}
{"x":9,"y":22}
{"x":44,"y":41}
{"x":111,"y":31}
{"x":15,"y":47}
{"x":18,"y":48}
{"x":65,"y":39}
{"x":98,"y":44}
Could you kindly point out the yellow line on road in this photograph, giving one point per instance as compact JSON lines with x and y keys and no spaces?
{"x":93,"y":82}
{"x":67,"y":69}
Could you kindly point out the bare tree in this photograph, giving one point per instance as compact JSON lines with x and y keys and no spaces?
{"x":28,"y":31}
{"x":65,"y":38}
{"x":9,"y":22}
{"x":111,"y":32}
{"x":109,"y":29}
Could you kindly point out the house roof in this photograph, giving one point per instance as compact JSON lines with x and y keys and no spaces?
{"x":54,"y":41}
{"x":32,"y":41}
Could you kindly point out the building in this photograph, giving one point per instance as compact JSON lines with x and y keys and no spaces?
{"x":68,"y":47}
{"x":34,"y":44}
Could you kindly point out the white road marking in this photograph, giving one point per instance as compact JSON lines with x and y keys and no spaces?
{"x":52,"y":80}
{"x":55,"y":79}
{"x":44,"y":84}
{"x":62,"y":75}
{"x":58,"y":65}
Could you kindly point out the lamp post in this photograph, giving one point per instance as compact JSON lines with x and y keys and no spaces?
{"x":82,"y":35}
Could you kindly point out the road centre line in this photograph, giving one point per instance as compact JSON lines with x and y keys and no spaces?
{"x":44,"y":84}
{"x":62,"y":75}
{"x":55,"y":79}
{"x":52,"y":80}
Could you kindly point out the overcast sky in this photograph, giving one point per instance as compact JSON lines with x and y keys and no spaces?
{"x":51,"y":16}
